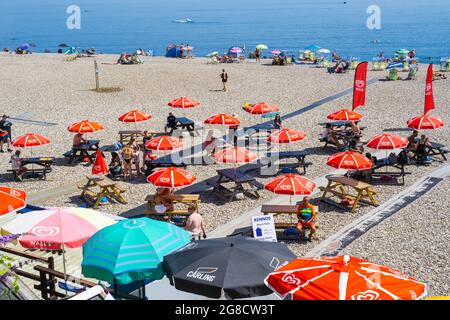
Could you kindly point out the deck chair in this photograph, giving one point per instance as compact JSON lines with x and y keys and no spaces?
{"x":412,"y":75}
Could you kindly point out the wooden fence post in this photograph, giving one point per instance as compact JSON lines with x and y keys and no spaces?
{"x":97,"y":85}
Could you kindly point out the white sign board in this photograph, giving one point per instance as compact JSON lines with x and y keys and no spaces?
{"x":264,"y":228}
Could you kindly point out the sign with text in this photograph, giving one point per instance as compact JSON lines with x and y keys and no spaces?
{"x":264,"y":228}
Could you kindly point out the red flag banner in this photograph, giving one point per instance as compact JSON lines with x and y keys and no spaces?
{"x":359,"y":86}
{"x":100,"y":166}
{"x":429,"y":99}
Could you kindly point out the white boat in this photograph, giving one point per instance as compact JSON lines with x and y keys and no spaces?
{"x":184,"y":20}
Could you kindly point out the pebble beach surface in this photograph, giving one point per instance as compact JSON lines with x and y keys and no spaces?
{"x":46,"y":87}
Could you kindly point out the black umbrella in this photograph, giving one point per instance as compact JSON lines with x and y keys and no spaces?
{"x":234,"y":265}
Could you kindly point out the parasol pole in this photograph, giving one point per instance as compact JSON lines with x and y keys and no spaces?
{"x":64,"y":267}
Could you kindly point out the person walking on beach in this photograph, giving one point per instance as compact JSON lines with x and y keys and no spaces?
{"x":277,"y":122}
{"x":5,"y":133}
{"x":224,"y":77}
{"x":257,"y":55}
{"x":195,"y":224}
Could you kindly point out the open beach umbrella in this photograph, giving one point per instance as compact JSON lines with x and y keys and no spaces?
{"x":387,"y":141}
{"x":222,"y":119}
{"x":171,"y":177}
{"x":131,"y":250}
{"x":344,"y":115}
{"x":286,"y":136}
{"x":30,"y":140}
{"x":183,"y":102}
{"x":402,"y":51}
{"x":100,"y":166}
{"x":425,"y":122}
{"x":234,"y":155}
{"x":233,"y":266}
{"x":261,"y":108}
{"x":85,"y":126}
{"x":349,"y":160}
{"x":135,"y":116}
{"x":11,"y":200}
{"x":57,"y":228}
{"x":343,"y":278}
{"x":262,"y":47}
{"x":235,"y":50}
{"x":164,"y":143}
{"x":291,"y":184}
{"x":324,"y":51}
{"x":25,"y":46}
{"x":313,"y":47}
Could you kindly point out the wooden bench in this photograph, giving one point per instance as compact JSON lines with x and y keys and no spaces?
{"x":290,"y":210}
{"x":35,"y":173}
{"x":339,"y":186}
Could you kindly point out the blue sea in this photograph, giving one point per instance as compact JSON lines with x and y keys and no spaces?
{"x":114,"y":26}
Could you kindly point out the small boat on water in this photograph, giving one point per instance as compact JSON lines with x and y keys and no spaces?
{"x":376,"y":41}
{"x":184,"y":20}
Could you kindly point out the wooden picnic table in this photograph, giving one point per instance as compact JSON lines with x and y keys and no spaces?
{"x":434,"y":149}
{"x":382,"y":168}
{"x":127,"y":135}
{"x":185,"y":124}
{"x":340,"y":186}
{"x":44,"y":166}
{"x":186,"y":199}
{"x":298,"y":155}
{"x":282,"y":209}
{"x":243,"y":183}
{"x":82,"y":151}
{"x":98,"y":187}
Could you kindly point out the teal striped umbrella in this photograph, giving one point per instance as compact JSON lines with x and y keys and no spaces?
{"x":131,"y":250}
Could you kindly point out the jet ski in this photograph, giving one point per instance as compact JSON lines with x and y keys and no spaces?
{"x":184,"y":20}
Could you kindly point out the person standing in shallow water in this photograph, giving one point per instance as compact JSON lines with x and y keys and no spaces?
{"x":224,"y":77}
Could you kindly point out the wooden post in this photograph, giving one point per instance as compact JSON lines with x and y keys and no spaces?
{"x":51,"y":265}
{"x":97,"y":85}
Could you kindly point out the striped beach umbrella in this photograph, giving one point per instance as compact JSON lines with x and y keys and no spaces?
{"x":135,"y":116}
{"x":387,"y":141}
{"x":425,"y":122}
{"x":222,"y":119}
{"x":11,"y":200}
{"x":234,"y":155}
{"x":261,"y":108}
{"x":171,"y":177}
{"x":56,"y":229}
{"x":30,"y":140}
{"x":131,"y":250}
{"x":343,"y":278}
{"x":183,"y":102}
{"x":344,"y":115}
{"x":292,"y":184}
{"x":85,"y":126}
{"x":164,"y":143}
{"x":349,"y":160}
{"x":286,"y":136}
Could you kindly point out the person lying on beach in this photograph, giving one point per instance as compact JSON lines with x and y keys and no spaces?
{"x":16,"y":165}
{"x":78,"y":140}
